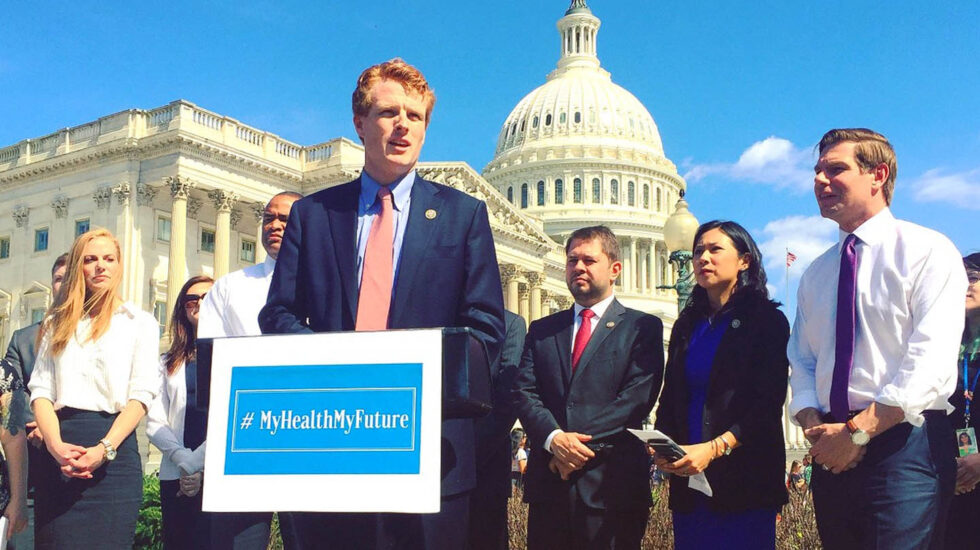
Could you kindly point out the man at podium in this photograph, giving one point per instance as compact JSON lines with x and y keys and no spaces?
{"x":391,"y":250}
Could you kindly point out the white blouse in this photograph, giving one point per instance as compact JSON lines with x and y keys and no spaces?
{"x":165,"y":427}
{"x":105,"y":374}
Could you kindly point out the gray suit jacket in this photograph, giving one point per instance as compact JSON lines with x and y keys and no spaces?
{"x":21,"y":352}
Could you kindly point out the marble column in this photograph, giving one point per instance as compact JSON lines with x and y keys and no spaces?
{"x":524,"y":309}
{"x":177,"y":264}
{"x":644,"y":257}
{"x":508,"y":276}
{"x":535,"y":280}
{"x":223,"y":201}
{"x":258,"y":210}
{"x":633,"y":266}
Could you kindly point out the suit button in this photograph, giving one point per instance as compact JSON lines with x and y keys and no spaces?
{"x":706,"y":422}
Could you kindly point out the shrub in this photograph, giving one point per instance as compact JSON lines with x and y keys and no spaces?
{"x":149,"y":527}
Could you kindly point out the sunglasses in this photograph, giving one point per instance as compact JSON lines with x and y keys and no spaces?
{"x":193,"y":300}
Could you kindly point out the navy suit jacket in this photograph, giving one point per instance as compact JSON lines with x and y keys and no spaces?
{"x":21,"y":352}
{"x":493,"y":443}
{"x":614,"y":388}
{"x":447,"y":277}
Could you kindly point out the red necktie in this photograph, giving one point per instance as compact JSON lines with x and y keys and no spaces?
{"x":582,"y":336}
{"x":374,"y":299}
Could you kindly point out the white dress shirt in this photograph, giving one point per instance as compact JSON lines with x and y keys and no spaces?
{"x":599,"y":309}
{"x":165,"y":426}
{"x":910,"y":291}
{"x":105,"y":374}
{"x":232,"y":306}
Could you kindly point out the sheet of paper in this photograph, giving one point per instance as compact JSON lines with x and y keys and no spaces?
{"x":698,"y":482}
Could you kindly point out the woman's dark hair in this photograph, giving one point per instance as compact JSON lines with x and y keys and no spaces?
{"x":183,"y":337}
{"x":751,"y":281}
{"x":516,"y":435}
{"x":972,"y":262}
{"x":965,"y":436}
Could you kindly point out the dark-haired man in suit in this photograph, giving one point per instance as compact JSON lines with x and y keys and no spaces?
{"x":391,"y":250}
{"x":588,"y":374}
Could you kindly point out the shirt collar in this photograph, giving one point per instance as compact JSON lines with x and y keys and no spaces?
{"x":599,"y":309}
{"x":872,"y":231}
{"x":268,"y":265}
{"x":401,"y":190}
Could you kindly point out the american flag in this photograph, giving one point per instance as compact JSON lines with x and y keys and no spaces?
{"x":790,"y":258}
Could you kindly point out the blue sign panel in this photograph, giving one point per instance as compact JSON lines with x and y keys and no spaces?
{"x":324,"y":419}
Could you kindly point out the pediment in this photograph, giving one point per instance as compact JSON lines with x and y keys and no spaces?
{"x":505,"y":218}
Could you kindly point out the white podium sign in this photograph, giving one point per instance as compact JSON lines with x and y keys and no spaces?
{"x":335,"y":422}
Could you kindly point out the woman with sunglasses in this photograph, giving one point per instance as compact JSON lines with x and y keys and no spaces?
{"x":95,"y":376}
{"x":964,"y":513}
{"x":177,"y":427}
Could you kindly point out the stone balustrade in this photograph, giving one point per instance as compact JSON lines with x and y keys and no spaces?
{"x":180,"y":116}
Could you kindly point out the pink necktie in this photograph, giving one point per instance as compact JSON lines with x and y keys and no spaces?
{"x":582,"y":336}
{"x":374,"y":299}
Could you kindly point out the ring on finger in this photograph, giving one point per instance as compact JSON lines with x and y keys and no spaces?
{"x":824,"y":466}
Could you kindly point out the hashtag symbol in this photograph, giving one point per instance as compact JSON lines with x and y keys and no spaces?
{"x":247,"y":420}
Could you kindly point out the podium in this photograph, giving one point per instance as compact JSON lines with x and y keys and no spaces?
{"x":335,"y":422}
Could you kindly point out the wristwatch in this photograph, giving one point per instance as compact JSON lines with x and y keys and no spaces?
{"x":859,"y":437}
{"x":110,"y":451}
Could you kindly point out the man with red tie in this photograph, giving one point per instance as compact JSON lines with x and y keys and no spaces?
{"x":586,"y":375}
{"x":391,"y":250}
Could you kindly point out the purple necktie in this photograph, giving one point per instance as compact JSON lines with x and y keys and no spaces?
{"x":846,"y":319}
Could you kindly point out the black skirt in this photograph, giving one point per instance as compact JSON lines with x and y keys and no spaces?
{"x":88,"y":513}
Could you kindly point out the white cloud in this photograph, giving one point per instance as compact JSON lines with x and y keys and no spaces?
{"x":960,"y":189}
{"x":805,"y":236}
{"x":773,"y":161}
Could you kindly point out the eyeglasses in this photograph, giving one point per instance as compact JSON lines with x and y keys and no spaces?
{"x":973,"y":277}
{"x":193,"y":301}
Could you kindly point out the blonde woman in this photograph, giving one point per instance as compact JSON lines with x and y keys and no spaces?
{"x":96,"y":374}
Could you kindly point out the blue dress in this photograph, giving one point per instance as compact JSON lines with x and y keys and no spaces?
{"x":704,"y":527}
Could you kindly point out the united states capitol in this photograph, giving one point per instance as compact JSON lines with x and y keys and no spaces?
{"x":183,"y":188}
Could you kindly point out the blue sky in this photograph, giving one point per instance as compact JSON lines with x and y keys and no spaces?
{"x":740,"y":91}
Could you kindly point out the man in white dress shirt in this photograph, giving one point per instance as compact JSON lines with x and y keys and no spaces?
{"x":873,"y":355}
{"x":231,"y":308}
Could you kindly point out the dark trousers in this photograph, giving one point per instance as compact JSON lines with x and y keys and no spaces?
{"x":898,"y":496}
{"x":240,"y":530}
{"x":446,"y":530}
{"x":488,"y":520}
{"x":185,"y":526}
{"x":570,"y":525}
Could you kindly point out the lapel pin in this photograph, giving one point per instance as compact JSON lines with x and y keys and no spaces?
{"x":736,"y":323}
{"x":430,"y":214}
{"x":610,"y":324}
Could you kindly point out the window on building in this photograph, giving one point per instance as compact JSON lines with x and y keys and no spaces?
{"x":541,"y":193}
{"x":547,"y":120}
{"x":523,"y":195}
{"x":614,"y":192}
{"x":646,"y":196}
{"x":522,"y":125}
{"x":163,"y":229}
{"x":578,"y":117}
{"x":4,"y":247}
{"x":577,"y":191}
{"x":41,"y":239}
{"x":559,"y":192}
{"x":561,"y":118}
{"x":247,"y":251}
{"x":81,"y":227}
{"x":207,"y":240}
{"x":160,"y":312}
{"x":37,"y":314}
{"x":510,"y":194}
{"x":596,"y":191}
{"x":659,"y":204}
{"x":631,"y":193}
{"x":534,"y":122}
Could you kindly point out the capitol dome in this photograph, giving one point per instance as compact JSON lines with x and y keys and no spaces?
{"x":581,"y":150}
